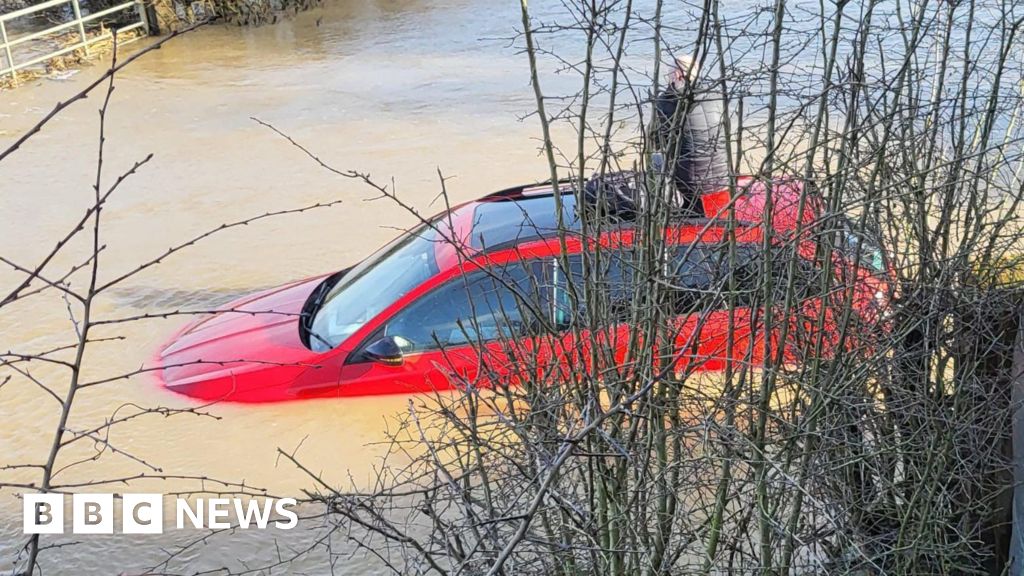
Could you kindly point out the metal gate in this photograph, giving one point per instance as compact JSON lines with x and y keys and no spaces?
{"x":9,"y":66}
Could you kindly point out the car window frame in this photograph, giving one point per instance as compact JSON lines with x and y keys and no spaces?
{"x":708,"y":258}
{"x":461,"y":276}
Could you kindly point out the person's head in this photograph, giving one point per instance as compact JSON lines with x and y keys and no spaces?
{"x":683,"y":73}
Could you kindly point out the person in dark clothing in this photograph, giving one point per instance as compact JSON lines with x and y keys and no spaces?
{"x":687,"y":133}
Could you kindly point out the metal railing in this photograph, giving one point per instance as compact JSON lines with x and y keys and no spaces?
{"x":79,"y":22}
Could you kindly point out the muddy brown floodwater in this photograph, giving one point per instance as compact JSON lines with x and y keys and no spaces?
{"x":397,"y":88}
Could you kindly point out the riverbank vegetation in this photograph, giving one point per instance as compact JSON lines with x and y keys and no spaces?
{"x":857,"y":445}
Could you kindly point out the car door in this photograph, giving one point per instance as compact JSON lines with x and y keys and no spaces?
{"x":465,"y":332}
{"x":711,"y":296}
{"x":697,"y":332}
{"x":707,"y":316}
{"x":728,"y":321}
{"x":591,"y":305}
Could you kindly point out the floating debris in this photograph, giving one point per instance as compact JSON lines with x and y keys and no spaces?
{"x":63,"y":75}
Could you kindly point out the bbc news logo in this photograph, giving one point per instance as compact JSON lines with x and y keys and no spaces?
{"x":144,"y":513}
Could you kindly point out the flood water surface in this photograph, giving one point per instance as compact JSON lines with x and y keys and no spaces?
{"x":398,"y":89}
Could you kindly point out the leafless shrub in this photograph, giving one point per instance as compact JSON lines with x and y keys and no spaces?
{"x":64,"y":373}
{"x":839,"y":431}
{"x":851,"y":432}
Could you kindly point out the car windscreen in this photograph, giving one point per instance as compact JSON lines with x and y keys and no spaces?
{"x":373,"y":286}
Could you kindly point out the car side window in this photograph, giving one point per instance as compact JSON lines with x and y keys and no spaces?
{"x":693,"y":273}
{"x":699,"y":275}
{"x":614,"y":275}
{"x":703,"y":275}
{"x":480,"y":306}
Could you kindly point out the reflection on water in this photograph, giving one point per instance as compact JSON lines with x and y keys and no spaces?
{"x":150,"y":297}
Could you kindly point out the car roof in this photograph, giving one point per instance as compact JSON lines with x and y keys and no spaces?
{"x":521,"y":215}
{"x":524,"y":215}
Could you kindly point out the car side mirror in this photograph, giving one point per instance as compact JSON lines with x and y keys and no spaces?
{"x":386,"y":350}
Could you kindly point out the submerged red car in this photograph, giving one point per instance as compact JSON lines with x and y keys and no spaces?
{"x":424,"y":311}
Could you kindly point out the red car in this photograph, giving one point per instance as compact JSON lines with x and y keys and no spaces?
{"x":422,"y":314}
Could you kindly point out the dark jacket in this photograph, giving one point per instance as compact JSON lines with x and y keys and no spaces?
{"x":688,"y":132}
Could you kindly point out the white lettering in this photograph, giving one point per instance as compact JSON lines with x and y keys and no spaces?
{"x":92,"y":513}
{"x":281,"y":507}
{"x":252,"y":510}
{"x":42,"y":514}
{"x":142,"y":514}
{"x":217,"y":508}
{"x":183,"y":509}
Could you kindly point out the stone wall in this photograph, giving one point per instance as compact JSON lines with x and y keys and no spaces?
{"x":175,"y":14}
{"x":12,"y":5}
